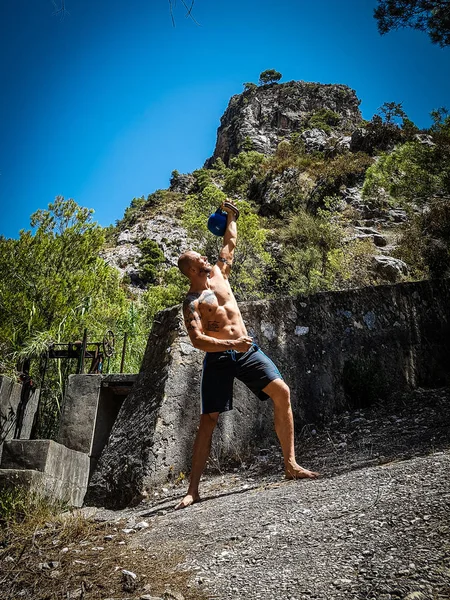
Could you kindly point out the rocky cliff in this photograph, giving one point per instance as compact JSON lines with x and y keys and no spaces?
{"x":288,"y":150}
{"x":261,"y":117}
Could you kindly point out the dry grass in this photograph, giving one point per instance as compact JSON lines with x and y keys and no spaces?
{"x":47,"y":555}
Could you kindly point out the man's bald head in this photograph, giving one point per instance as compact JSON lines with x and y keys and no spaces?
{"x":192,"y":264}
{"x":185,"y":261}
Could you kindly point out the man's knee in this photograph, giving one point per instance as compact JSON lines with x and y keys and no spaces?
{"x":283,"y":393}
{"x":279,"y":392}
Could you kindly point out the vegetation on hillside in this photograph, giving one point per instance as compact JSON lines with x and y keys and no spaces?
{"x":53,"y":285}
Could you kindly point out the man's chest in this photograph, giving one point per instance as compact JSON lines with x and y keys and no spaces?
{"x":216,"y":297}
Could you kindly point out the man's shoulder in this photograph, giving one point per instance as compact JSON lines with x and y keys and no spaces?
{"x":218,"y":271}
{"x":190,"y":296}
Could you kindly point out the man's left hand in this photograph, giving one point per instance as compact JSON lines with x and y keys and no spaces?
{"x":229,"y":207}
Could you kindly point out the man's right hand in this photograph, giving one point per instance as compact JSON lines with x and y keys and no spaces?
{"x":243,"y":343}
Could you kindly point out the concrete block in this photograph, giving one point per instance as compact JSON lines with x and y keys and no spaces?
{"x":9,"y":401}
{"x":66,"y":471}
{"x":30,"y":412}
{"x":334,"y":349}
{"x":42,"y":484}
{"x":79,"y":412}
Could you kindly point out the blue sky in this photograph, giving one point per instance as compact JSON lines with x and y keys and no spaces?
{"x":102,"y":105}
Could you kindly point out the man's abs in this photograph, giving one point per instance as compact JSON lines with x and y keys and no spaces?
{"x":230,"y":327}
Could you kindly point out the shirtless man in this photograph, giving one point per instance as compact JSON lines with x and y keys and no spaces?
{"x":214,"y":324}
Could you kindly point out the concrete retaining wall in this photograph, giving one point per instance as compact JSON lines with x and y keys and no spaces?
{"x":79,"y":412}
{"x":61,"y":470}
{"x":45,"y":467}
{"x":334,"y":349}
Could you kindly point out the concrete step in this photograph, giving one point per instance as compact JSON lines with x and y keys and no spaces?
{"x":44,"y":485}
{"x":47,"y":467}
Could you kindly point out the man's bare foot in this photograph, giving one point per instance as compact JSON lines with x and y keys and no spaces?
{"x":297,"y":472}
{"x":188,"y":500}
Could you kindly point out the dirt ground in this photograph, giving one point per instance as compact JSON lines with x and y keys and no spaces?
{"x":375,"y":526}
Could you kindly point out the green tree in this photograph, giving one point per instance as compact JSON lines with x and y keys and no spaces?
{"x":390,"y":112}
{"x":53,"y":284}
{"x":413,"y":172}
{"x":150,"y":261}
{"x":171,"y":290}
{"x":431,"y":16}
{"x":269,"y":76}
{"x":441,"y":121}
{"x":249,"y":87}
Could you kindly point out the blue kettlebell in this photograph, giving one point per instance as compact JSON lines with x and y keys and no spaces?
{"x":217,"y":222}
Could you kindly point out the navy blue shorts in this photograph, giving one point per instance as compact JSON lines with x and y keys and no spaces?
{"x":253,"y":368}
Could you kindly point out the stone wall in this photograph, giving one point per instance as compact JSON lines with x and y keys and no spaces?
{"x":334,"y":349}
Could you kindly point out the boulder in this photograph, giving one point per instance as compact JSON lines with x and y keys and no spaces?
{"x":315,"y":140}
{"x":269,"y":114}
{"x":424,"y":139}
{"x":391,"y":269}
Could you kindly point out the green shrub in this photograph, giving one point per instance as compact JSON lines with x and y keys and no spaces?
{"x":315,"y":256}
{"x":333,"y":174}
{"x":289,"y":154}
{"x":203,"y":178}
{"x":241,"y":170}
{"x":425,"y":241}
{"x":150,"y":261}
{"x":413,"y":172}
{"x":19,"y":506}
{"x":131,"y":213}
{"x":250,"y":87}
{"x":324,"y":119}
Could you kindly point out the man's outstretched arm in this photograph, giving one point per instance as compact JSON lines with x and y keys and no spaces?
{"x":229,"y":240}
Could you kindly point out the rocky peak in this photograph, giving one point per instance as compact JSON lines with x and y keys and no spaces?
{"x":260,"y":118}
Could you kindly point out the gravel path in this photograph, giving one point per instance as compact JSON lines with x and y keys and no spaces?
{"x":380,"y":532}
{"x":376,"y":531}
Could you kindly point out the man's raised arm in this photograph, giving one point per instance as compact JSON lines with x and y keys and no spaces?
{"x":226,"y":255}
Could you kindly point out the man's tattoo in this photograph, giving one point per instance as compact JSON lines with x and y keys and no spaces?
{"x":189,"y":305}
{"x":208,"y":298}
{"x":213,"y":326}
{"x":188,"y":321}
